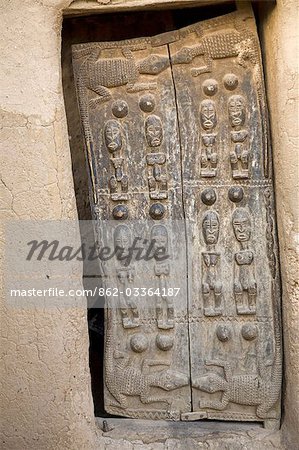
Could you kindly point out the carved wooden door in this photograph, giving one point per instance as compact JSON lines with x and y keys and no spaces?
{"x":176,"y":132}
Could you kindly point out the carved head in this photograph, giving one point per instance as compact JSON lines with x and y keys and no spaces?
{"x":210,"y":227}
{"x":122,"y":276}
{"x":236,"y":110}
{"x":153,"y":64}
{"x":241,"y":225}
{"x":186,"y":54}
{"x":209,"y":383}
{"x":122,"y":238}
{"x":169,"y":380}
{"x":153,"y":131}
{"x":160,"y":237}
{"x":208,"y":118}
{"x":113,"y":135}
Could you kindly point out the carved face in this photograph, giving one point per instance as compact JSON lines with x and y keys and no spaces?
{"x":210,"y":227}
{"x":241,"y":225}
{"x":208,"y":117}
{"x":236,"y":110}
{"x":153,"y":131}
{"x":122,"y":238}
{"x":122,"y":276}
{"x":113,"y":137}
{"x":160,"y":236}
{"x":153,"y":64}
{"x":209,"y":383}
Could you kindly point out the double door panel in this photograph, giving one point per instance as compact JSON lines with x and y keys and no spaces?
{"x":177,"y":146}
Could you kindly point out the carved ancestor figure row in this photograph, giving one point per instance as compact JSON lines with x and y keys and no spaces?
{"x":157,"y":177}
{"x":245,"y":287}
{"x":126,"y":273}
{"x":242,"y":44}
{"x":239,"y":155}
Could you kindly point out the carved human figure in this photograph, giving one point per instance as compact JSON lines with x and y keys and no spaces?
{"x":118,"y":182}
{"x":211,"y":276}
{"x":165,"y":319}
{"x":245,"y":288}
{"x":125,"y":276}
{"x":153,"y":131}
{"x":208,"y":120}
{"x":157,"y":178}
{"x":239,"y":155}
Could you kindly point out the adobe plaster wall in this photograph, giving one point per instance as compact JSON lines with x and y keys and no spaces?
{"x":280,"y":38}
{"x":45,"y":384}
{"x":45,"y":392}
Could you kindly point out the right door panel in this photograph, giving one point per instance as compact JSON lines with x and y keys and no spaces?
{"x":234,"y":293}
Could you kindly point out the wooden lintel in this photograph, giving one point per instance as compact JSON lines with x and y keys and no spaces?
{"x":84,"y":7}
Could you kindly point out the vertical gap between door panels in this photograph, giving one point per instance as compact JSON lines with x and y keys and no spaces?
{"x":185,"y":224}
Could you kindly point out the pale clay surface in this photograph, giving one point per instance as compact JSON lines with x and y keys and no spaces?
{"x":45,"y":397}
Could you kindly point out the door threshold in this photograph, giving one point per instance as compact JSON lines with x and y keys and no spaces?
{"x":124,"y":432}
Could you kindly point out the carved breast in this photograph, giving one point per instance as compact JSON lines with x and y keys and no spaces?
{"x":244,"y":257}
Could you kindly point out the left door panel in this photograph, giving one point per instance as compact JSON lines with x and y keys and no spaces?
{"x":128,"y":113}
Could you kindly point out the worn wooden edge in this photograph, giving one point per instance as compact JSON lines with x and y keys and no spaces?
{"x":85,"y":7}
